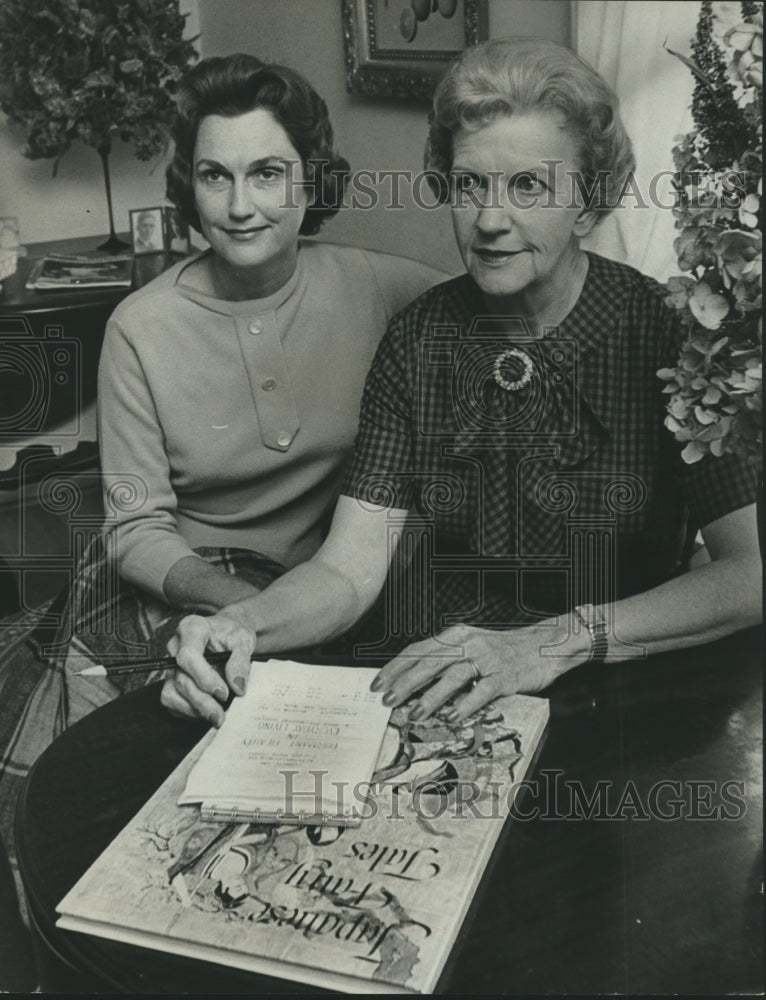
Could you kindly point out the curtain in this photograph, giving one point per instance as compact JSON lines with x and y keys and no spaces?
{"x":623,"y":40}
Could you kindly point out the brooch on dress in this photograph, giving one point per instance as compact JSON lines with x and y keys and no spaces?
{"x":526,"y":377}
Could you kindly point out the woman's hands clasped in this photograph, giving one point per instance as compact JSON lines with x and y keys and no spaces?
{"x":196,"y":688}
{"x":495,"y":663}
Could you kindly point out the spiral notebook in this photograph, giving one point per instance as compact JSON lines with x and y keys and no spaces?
{"x":298,"y":748}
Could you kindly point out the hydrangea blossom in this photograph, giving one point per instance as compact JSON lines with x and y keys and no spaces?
{"x":715,"y":389}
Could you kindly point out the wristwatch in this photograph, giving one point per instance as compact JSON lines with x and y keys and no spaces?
{"x":592,"y":618}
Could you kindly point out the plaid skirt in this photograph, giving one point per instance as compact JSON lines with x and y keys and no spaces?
{"x":98,"y":620}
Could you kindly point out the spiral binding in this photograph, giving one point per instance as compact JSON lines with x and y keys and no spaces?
{"x":233,"y":814}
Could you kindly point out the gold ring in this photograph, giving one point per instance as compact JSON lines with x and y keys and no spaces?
{"x":475,"y":673}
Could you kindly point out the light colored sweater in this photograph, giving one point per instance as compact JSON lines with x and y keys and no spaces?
{"x":229,"y":423}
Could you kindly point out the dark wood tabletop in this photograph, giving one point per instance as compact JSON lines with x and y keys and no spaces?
{"x":634,"y":867}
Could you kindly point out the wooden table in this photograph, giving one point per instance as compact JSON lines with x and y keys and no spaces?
{"x":611,"y":903}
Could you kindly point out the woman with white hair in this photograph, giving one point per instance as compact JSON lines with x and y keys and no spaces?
{"x":517,"y":412}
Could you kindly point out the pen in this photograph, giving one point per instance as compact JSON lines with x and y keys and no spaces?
{"x":145,"y":666}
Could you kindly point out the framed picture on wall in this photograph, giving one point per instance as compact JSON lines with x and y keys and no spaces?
{"x":400,"y":48}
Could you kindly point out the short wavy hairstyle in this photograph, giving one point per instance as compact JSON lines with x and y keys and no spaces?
{"x":517,"y":75}
{"x":233,"y":85}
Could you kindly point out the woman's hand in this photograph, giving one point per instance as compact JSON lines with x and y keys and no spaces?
{"x":197,"y":688}
{"x":523,"y":659}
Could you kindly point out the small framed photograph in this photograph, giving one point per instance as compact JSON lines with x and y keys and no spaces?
{"x":176,"y":232}
{"x":146,"y":230}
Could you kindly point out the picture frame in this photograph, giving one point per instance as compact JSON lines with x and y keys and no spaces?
{"x":9,"y":246}
{"x":401,"y":48}
{"x":176,"y":232}
{"x":147,"y":231}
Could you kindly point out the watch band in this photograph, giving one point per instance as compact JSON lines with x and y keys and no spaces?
{"x":592,"y":619}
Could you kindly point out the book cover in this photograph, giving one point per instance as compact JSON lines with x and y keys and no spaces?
{"x":81,"y":271}
{"x":371,"y":909}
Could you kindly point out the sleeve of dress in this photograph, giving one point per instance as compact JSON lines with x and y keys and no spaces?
{"x":138,"y":498}
{"x":380,"y":470}
{"x":402,"y":280}
{"x":714,"y":485}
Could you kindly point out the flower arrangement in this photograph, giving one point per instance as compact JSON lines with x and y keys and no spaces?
{"x":715,"y":390}
{"x":91,"y":71}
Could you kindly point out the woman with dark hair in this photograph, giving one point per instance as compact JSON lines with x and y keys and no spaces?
{"x":552,"y":504}
{"x":231,"y":86}
{"x":220,"y":382}
{"x":228,"y":399}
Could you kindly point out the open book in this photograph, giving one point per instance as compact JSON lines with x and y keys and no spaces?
{"x":370,"y":909}
{"x":296,"y":748}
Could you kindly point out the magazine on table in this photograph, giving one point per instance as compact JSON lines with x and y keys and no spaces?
{"x":81,"y":271}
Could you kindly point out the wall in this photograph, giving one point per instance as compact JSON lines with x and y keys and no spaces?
{"x":73,"y":203}
{"x":370,"y":133}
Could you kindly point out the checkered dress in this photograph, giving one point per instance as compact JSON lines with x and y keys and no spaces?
{"x":523,"y":502}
